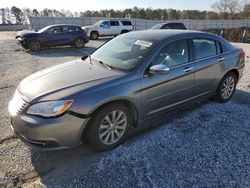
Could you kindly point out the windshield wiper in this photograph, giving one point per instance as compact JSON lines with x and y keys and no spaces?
{"x":107,"y":66}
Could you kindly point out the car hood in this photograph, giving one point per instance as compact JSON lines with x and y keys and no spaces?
{"x":25,"y":33}
{"x":64,"y":76}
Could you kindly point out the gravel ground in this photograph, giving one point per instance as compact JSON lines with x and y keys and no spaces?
{"x":202,"y":145}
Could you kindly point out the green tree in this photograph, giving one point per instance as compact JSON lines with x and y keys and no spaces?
{"x":35,"y":12}
{"x":2,"y":10}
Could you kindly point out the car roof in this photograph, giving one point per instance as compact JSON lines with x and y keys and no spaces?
{"x":160,"y":34}
{"x":118,"y":19}
{"x":64,"y":25}
{"x":172,"y":23}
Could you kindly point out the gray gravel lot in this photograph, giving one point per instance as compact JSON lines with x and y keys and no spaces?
{"x":202,"y":145}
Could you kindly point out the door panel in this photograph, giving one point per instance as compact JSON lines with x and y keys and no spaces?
{"x":206,"y":75}
{"x":104,"y":28}
{"x":163,"y":91}
{"x":208,"y":66}
{"x":53,"y":36}
{"x":114,"y":28}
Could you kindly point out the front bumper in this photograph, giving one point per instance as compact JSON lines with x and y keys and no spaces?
{"x":21,"y":41}
{"x":49,"y":133}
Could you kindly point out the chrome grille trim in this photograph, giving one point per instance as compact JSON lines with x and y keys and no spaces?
{"x":17,"y":104}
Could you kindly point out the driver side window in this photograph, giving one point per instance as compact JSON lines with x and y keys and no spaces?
{"x":56,"y":29}
{"x":176,"y":53}
{"x":105,"y":24}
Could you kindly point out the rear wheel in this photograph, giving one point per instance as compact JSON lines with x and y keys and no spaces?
{"x":109,"y":126}
{"x":79,"y":43}
{"x":226,"y":88}
{"x":34,"y":45}
{"x":94,"y":35}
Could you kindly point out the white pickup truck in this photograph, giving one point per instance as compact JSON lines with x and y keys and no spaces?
{"x":108,"y":27}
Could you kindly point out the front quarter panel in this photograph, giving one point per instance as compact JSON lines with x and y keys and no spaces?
{"x":127,"y":89}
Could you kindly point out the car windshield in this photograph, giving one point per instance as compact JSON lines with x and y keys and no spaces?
{"x":43,"y":29}
{"x":157,"y":26}
{"x":122,"y":53}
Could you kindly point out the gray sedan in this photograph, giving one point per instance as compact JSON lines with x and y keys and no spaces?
{"x":128,"y":80}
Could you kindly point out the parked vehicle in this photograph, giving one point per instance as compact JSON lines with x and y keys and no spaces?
{"x":108,"y":28}
{"x":170,"y":25}
{"x":131,"y":78}
{"x":53,"y":35}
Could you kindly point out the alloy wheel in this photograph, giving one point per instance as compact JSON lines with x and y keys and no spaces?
{"x":34,"y":46}
{"x":94,"y":36}
{"x":228,"y":87}
{"x":79,"y":43}
{"x":112,"y":127}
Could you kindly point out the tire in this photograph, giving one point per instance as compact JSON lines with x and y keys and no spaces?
{"x":109,"y":126}
{"x":226,"y":88}
{"x":79,"y":43}
{"x":124,"y":31}
{"x":94,"y":35}
{"x":34,"y":45}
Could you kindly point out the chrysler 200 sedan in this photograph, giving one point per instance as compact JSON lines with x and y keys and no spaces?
{"x":129,"y":79}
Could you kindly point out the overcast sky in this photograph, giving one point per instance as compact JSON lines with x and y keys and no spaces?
{"x":82,"y":5}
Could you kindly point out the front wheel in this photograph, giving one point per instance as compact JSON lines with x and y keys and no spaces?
{"x":79,"y":43}
{"x":226,"y":88}
{"x":109,"y":126}
{"x":94,"y":35}
{"x":34,"y":45}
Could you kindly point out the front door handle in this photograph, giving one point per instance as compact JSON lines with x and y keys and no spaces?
{"x":188,"y":69}
{"x":221,"y":59}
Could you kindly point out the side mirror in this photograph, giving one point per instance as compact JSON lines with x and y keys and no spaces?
{"x":84,"y":57}
{"x":159,"y":69}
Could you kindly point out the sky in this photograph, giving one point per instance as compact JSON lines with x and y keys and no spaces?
{"x":82,"y":5}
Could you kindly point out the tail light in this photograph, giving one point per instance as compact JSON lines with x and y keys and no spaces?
{"x":242,"y":54}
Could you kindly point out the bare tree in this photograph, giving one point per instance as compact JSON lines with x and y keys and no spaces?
{"x":227,"y":8}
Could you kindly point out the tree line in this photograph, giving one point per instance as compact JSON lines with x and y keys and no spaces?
{"x":222,"y":9}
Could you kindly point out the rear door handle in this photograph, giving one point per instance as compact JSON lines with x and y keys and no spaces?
{"x":221,"y":59}
{"x":188,"y":69}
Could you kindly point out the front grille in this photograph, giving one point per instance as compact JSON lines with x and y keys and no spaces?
{"x":17,"y":104}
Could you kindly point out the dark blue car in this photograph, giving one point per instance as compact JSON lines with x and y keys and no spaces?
{"x":53,"y":35}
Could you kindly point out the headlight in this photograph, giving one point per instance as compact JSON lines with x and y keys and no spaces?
{"x":50,"y":109}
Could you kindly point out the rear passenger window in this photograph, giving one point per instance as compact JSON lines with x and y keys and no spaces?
{"x":176,"y":53}
{"x":65,"y":29}
{"x":178,"y":26}
{"x":126,"y":23}
{"x":204,"y":48}
{"x":114,"y":23}
{"x":167,"y":26}
{"x":69,"y":28}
